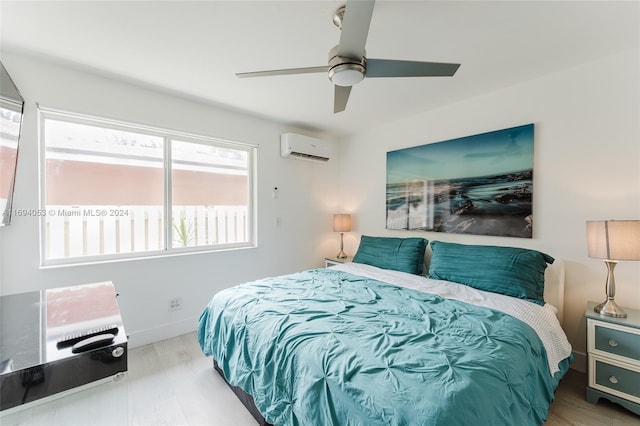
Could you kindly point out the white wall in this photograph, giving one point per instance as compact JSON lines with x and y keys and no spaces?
{"x":586,"y":167}
{"x":306,"y":201}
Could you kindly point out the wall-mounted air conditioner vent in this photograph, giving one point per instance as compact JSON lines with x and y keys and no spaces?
{"x":304,"y":147}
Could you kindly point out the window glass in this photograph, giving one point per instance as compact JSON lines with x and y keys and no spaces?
{"x":109,"y":191}
{"x":210,"y":194}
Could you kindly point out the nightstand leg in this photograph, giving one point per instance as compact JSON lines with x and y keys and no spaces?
{"x":592,"y":396}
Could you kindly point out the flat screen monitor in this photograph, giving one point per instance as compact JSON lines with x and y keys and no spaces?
{"x":11,"y":111}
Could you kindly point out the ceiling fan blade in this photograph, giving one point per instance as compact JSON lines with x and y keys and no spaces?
{"x":341,"y":97}
{"x":307,"y":70}
{"x":392,"y":68}
{"x":355,"y":28}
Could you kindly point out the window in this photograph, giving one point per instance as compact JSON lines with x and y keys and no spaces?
{"x":114,"y":190}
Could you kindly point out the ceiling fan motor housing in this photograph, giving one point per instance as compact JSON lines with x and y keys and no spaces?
{"x":344,"y":71}
{"x":338,"y":16}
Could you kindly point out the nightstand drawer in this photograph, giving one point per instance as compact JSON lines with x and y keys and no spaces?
{"x":617,"y":380}
{"x":615,"y":341}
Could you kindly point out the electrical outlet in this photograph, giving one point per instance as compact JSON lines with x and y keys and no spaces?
{"x":175,"y":303}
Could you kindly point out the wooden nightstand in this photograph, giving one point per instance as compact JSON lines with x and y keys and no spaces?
{"x":613,"y":347}
{"x":333,"y":261}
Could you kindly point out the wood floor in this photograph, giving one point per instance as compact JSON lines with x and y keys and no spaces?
{"x":172,"y":383}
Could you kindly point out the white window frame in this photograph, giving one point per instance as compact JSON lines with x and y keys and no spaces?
{"x":168,"y":136}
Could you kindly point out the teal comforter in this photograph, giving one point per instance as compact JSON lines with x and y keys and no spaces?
{"x":325,"y":347}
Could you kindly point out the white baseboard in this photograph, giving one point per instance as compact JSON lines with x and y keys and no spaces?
{"x":163,"y":332}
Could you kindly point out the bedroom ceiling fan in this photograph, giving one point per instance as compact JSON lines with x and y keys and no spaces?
{"x":348,"y":64}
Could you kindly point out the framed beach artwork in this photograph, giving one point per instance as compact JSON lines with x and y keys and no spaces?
{"x":480,"y":184}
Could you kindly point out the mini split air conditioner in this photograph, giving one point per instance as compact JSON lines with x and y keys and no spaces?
{"x":304,"y":147}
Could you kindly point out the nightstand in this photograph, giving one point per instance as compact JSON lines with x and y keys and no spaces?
{"x":613,"y":347}
{"x":333,"y":261}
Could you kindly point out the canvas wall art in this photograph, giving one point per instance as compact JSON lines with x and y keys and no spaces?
{"x":480,"y":184}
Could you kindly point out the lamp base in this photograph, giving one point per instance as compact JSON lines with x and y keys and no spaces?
{"x":609,"y":308}
{"x":342,"y":254}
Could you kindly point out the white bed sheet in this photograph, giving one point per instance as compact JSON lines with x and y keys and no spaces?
{"x":542,"y":319}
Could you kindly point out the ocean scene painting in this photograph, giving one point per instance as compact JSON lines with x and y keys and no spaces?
{"x":480,"y":184}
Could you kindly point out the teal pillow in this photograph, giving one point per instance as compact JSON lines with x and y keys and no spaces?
{"x":512,"y":271}
{"x":399,"y":254}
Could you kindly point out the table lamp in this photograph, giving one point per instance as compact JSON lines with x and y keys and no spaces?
{"x":613,"y":240}
{"x":341,"y":224}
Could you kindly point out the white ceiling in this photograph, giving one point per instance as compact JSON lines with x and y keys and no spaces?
{"x":195,"y":48}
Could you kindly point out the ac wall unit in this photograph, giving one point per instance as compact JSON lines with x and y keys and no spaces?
{"x":304,"y":147}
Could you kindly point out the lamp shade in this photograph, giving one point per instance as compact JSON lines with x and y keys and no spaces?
{"x":614,"y":239}
{"x":341,"y":222}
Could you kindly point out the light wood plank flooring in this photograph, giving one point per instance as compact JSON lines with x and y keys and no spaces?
{"x":172,"y":383}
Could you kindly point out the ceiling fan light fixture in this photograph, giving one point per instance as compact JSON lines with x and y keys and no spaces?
{"x":346,"y":75}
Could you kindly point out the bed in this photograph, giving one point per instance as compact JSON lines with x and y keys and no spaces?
{"x":377,"y":342}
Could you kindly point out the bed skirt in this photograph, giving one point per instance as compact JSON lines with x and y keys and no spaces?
{"x":245,"y":398}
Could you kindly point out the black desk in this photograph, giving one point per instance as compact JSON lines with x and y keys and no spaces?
{"x":32,"y":365}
